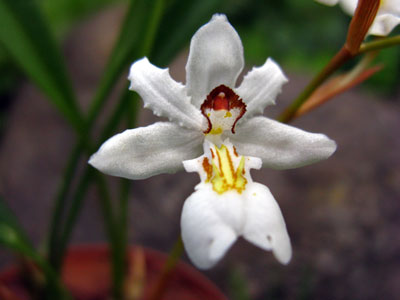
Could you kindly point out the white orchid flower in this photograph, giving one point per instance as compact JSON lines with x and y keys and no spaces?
{"x":387,"y":18}
{"x":209,"y":112}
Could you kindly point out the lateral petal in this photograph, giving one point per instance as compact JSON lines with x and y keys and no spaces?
{"x":261,"y":86}
{"x":163,"y":95}
{"x":280,"y":146}
{"x":264,"y":225}
{"x":385,"y":23}
{"x":146,"y":151}
{"x":210,"y":224}
{"x":215,"y":58}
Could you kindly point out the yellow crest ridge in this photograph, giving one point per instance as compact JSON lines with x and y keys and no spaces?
{"x":222,"y":174}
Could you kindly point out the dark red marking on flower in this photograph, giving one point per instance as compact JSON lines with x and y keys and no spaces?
{"x":212,"y":153}
{"x":222,"y":98}
{"x":235,"y":152}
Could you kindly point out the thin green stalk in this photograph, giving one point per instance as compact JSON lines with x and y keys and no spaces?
{"x":380,"y":44}
{"x":60,"y":202}
{"x":123,"y":214}
{"x":111,"y":75}
{"x":336,"y":62}
{"x":76,"y":205}
{"x":113,"y":234}
{"x":83,"y":185}
{"x":152,"y":28}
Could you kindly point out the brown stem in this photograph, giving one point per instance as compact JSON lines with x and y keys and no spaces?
{"x":337,"y":61}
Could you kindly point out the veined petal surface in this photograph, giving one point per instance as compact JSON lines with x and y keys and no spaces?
{"x":264,"y":225}
{"x":280,"y":146}
{"x":210,"y":224}
{"x":215,"y":58}
{"x":163,"y":95}
{"x":260,"y":87}
{"x":146,"y":151}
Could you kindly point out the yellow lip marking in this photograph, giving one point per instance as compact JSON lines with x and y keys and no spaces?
{"x":216,"y":130}
{"x":222,"y":175}
{"x":228,"y":114}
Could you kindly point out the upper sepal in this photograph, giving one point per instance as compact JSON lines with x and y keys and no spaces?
{"x":215,"y":58}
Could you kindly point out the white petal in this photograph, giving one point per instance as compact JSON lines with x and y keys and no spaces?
{"x":384,"y":24}
{"x":163,"y":95}
{"x":328,"y":2}
{"x":390,"y":7}
{"x":280,"y":146}
{"x":215,"y":58}
{"x":210,"y":224}
{"x":261,"y":86}
{"x":349,"y":6}
{"x":146,"y":151}
{"x":264,"y":225}
{"x":388,"y":16}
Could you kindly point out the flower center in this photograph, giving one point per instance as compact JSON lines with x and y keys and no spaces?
{"x":222,"y":108}
{"x":222,"y":173}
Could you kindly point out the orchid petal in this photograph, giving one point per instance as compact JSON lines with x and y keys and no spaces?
{"x":261,"y":86}
{"x":384,"y":24}
{"x":210,"y":224}
{"x":264,"y":225}
{"x":349,"y":6}
{"x":280,"y":146}
{"x":146,"y":151}
{"x":328,"y":2}
{"x":215,"y":58}
{"x":163,"y":95}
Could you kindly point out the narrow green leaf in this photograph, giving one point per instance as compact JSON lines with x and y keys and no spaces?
{"x":11,"y":234}
{"x":133,"y":42}
{"x":61,"y":14}
{"x":13,"y":237}
{"x":26,"y":37}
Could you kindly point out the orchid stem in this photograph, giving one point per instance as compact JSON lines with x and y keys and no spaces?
{"x":336,"y":62}
{"x":380,"y":44}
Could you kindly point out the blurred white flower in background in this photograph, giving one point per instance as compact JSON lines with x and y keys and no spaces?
{"x":387,"y":18}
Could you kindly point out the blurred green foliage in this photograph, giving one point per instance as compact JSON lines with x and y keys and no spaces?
{"x":301,"y":35}
{"x":61,"y":14}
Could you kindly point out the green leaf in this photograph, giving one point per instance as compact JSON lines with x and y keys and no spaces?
{"x":14,"y":238}
{"x":26,"y":37}
{"x":11,"y":234}
{"x":61,"y":14}
{"x":134,"y":41}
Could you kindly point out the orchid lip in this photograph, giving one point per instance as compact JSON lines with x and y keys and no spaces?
{"x":222,"y":108}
